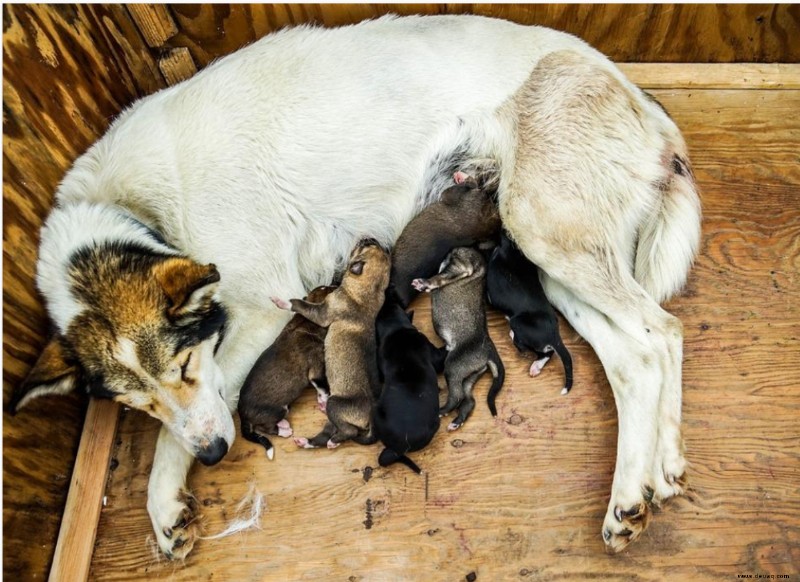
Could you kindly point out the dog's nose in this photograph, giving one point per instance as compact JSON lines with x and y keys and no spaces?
{"x":213,"y":453}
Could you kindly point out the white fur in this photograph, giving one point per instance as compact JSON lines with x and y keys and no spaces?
{"x":273,"y":161}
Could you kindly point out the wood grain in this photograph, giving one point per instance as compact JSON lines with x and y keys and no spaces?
{"x":708,"y":33}
{"x":67,"y":71}
{"x":522,"y":496}
{"x":75,"y":546}
{"x":177,"y":65}
{"x":154,"y":22}
{"x":713,"y":75}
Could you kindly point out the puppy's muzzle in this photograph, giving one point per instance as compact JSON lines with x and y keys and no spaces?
{"x":213,"y":453}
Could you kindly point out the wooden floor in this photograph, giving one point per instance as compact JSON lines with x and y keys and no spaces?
{"x":522,"y":496}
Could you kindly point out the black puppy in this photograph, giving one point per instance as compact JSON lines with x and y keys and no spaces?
{"x":513,"y":287}
{"x":407,"y":413}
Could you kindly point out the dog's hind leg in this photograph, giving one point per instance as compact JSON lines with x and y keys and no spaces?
{"x":635,"y":378}
{"x":467,"y":404}
{"x":169,"y":504}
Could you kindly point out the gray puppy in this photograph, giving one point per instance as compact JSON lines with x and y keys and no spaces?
{"x":459,"y":317}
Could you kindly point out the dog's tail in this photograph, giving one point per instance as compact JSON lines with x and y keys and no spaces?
{"x":566,"y":359}
{"x":670,"y":235}
{"x":499,"y":375}
{"x":390,"y":457}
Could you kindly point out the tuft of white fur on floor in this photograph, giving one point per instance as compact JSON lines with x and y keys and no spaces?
{"x":248,"y":514}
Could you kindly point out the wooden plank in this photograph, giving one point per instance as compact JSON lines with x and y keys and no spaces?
{"x":713,"y":75}
{"x":154,"y":22}
{"x":686,"y":33}
{"x":522,"y":497}
{"x":177,"y":65}
{"x":68,"y":70}
{"x":76,"y":537}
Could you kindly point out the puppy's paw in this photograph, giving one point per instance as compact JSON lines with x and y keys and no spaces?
{"x":304,"y":443}
{"x":460,"y":177}
{"x":332,"y":445}
{"x":322,"y":402}
{"x":284,"y":429}
{"x":537,"y":366}
{"x":281,"y":303}
{"x":453,"y":426}
{"x":421,"y":285}
{"x":624,"y":525}
{"x":176,"y":525}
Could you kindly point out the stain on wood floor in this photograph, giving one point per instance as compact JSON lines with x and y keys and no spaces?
{"x":522,"y":497}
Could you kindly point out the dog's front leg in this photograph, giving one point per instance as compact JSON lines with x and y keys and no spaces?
{"x":440,"y":280}
{"x":317,"y":313}
{"x":170,"y":505}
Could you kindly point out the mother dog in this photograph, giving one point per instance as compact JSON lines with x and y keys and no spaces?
{"x":257,"y":176}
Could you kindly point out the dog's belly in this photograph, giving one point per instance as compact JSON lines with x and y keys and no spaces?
{"x":273,"y":161}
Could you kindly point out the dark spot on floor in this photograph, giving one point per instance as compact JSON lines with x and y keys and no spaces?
{"x":704,"y":326}
{"x":515,"y":419}
{"x":457,"y":443}
{"x":368,"y":521}
{"x":433,"y":531}
{"x":471,"y":577}
{"x":367,"y":474}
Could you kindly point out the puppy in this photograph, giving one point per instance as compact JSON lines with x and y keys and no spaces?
{"x":295,"y":359}
{"x":350,"y":354}
{"x":407,"y":414}
{"x":459,"y":317}
{"x":513,"y":287}
{"x":464,"y":215}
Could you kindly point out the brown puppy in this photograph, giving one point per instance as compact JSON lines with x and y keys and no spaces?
{"x":295,"y":359}
{"x":464,"y":215}
{"x":350,"y":354}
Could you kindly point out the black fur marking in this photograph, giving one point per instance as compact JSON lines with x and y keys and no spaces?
{"x":95,"y":386}
{"x":153,"y":234}
{"x":200,"y":328}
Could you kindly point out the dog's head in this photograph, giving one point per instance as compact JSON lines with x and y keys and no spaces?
{"x":142,"y":330}
{"x":368,"y":269}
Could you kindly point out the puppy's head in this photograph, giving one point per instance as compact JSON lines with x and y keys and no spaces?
{"x":464,"y":261}
{"x":143,"y":331}
{"x":367,"y":269}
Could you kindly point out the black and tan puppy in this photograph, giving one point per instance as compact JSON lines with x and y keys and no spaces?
{"x":407,"y":414}
{"x":294,"y":360}
{"x":459,"y":317}
{"x":350,"y":354}
{"x":464,"y":215}
{"x":513,"y":287}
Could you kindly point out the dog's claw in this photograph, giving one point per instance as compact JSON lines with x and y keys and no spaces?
{"x":627,"y":526}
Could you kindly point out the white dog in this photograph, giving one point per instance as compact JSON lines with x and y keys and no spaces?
{"x":257,"y":176}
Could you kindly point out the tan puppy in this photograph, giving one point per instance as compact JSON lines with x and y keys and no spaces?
{"x":350,"y":354}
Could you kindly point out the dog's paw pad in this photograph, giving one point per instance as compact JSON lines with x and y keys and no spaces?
{"x":453,"y":426}
{"x":285,"y":432}
{"x":303,"y":443}
{"x":281,"y":303}
{"x":177,"y":540}
{"x":332,"y":445}
{"x":420,"y":285}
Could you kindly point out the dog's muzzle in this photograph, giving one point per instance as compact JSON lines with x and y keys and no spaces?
{"x":213,"y":453}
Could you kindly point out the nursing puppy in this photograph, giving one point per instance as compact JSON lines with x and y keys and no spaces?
{"x":464,"y":215}
{"x":295,"y":360}
{"x":513,"y":287}
{"x":350,"y":354}
{"x":459,"y":317}
{"x":407,"y":414}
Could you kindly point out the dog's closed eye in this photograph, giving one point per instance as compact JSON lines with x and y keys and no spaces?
{"x":357,"y":268}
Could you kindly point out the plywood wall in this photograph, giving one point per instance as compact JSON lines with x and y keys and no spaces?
{"x":68,"y":70}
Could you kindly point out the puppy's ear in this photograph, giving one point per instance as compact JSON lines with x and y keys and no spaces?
{"x":53,"y":373}
{"x":410,"y":315}
{"x":357,"y":268}
{"x":190,"y":287}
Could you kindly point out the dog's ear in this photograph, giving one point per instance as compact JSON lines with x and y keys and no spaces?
{"x":53,"y":373}
{"x":357,"y":268}
{"x":410,"y":315}
{"x":190,"y":287}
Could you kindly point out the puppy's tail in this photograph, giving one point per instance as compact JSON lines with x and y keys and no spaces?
{"x":390,"y":457}
{"x":499,"y":375}
{"x":566,"y":359}
{"x":670,"y":235}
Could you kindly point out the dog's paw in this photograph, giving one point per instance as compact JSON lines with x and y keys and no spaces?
{"x":176,"y":526}
{"x":304,"y":443}
{"x":281,"y":303}
{"x":460,"y":177}
{"x":322,"y":402}
{"x":669,"y":475}
{"x":332,"y":445}
{"x":453,"y":426}
{"x":537,"y":366}
{"x":284,"y":428}
{"x":421,"y":285}
{"x":624,"y":525}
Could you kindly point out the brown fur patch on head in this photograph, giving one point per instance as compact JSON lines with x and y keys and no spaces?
{"x":186,"y":284}
{"x":369,"y":281}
